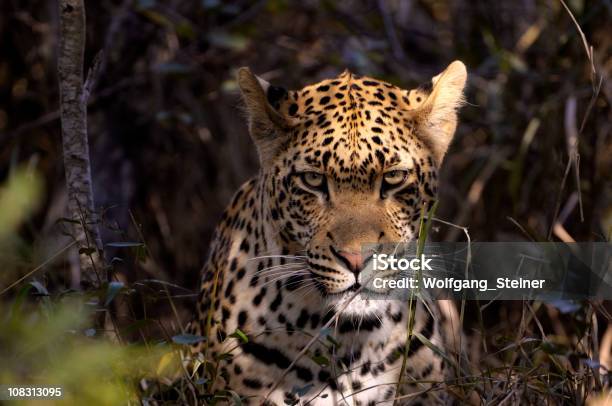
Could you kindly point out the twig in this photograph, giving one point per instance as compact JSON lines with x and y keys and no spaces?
{"x":396,"y":47}
{"x":476,"y":190}
{"x":570,"y":111}
{"x":73,"y":114}
{"x":92,"y":76}
{"x":39,"y":267}
{"x":571,"y":136}
{"x":558,"y":203}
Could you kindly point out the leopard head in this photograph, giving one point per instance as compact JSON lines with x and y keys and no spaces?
{"x":346,"y":162}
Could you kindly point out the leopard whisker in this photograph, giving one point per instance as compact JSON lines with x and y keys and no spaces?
{"x":309,"y":288}
{"x":284,"y":276}
{"x":277,"y":256}
{"x":281,"y":267}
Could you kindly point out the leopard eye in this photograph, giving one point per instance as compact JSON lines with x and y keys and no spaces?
{"x":396,"y":178}
{"x":313,"y":180}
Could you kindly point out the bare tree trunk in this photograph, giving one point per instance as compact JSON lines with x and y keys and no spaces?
{"x":73,"y":109}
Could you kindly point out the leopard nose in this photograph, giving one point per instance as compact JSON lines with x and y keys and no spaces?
{"x":352,"y":260}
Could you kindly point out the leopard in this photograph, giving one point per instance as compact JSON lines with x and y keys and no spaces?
{"x":344,"y":162}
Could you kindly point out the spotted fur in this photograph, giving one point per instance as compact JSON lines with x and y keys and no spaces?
{"x":285,"y":259}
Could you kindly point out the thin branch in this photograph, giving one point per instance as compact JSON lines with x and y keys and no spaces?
{"x":73,"y":115}
{"x":396,"y":46}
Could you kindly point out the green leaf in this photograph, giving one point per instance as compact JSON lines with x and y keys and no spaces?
{"x":321,"y":360}
{"x":224,"y":40}
{"x":333,"y":341}
{"x":240,"y":335}
{"x":187,"y":339}
{"x":144,"y":4}
{"x":124,"y":244}
{"x":201,"y":381}
{"x":302,"y":391}
{"x":113,"y":289}
{"x":325,"y":332}
{"x":211,"y":3}
{"x":156,"y":17}
{"x":185,"y":30}
{"x":40,"y":288}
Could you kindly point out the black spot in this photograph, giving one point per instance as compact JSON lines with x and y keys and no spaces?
{"x":275,"y":93}
{"x":233,"y":265}
{"x":326,"y":157}
{"x":323,"y":88}
{"x":428,"y":329}
{"x":259,"y":297}
{"x":427,"y":370}
{"x":324,"y":100}
{"x":324,"y":376}
{"x":230,"y":287}
{"x":252,"y":383}
{"x":290,"y":399}
{"x":381,"y":158}
{"x":277,"y":301}
{"x":427,"y":189}
{"x":293,"y":109}
{"x":349,"y":358}
{"x":225,"y":314}
{"x":276,"y":357}
{"x":302,"y":319}
{"x":327,"y":141}
{"x":242,"y":318}
{"x":314,"y":320}
{"x":397,"y":317}
{"x":244,"y":246}
{"x":365,"y":368}
{"x":377,"y":140}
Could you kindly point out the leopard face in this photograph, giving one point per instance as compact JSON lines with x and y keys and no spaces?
{"x":346,"y":163}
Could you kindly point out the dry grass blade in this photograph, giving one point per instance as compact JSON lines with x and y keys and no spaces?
{"x":39,"y":267}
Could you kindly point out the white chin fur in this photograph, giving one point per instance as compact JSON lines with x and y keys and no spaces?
{"x":359,"y":305}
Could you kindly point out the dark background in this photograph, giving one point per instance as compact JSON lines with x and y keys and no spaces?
{"x":169,"y":145}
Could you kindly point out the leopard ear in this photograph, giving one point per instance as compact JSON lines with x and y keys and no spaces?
{"x":267,"y":125}
{"x":437,"y":116}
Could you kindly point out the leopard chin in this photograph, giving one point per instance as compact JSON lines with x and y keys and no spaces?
{"x":351,"y":304}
